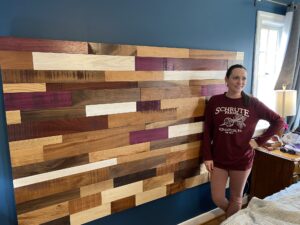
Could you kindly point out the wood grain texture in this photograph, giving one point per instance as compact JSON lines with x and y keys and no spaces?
{"x":90,"y":86}
{"x":194,"y":75}
{"x":61,"y":221}
{"x":148,"y":135}
{"x":134,"y":177}
{"x":175,"y":187}
{"x":16,"y":60}
{"x":84,"y":203}
{"x":205,"y":82}
{"x":109,"y":109}
{"x":213,"y":89}
{"x":28,"y":130}
{"x":149,"y":64}
{"x":42,"y":45}
{"x":150,"y":195}
{"x":47,"y":201}
{"x":90,"y":214}
{"x":158,"y":181}
{"x":96,"y":188}
{"x":13,"y":117}
{"x":149,"y":51}
{"x":185,"y":129}
{"x":148,"y":94}
{"x":148,"y":105}
{"x":195,"y":64}
{"x":39,"y":100}
{"x":89,"y":97}
{"x":28,"y":87}
{"x":158,"y":84}
{"x":128,"y":119}
{"x":133,"y":76}
{"x":44,"y":215}
{"x":51,"y":165}
{"x":122,"y":204}
{"x":213,"y":54}
{"x":111,"y":49}
{"x":50,"y":76}
{"x":56,"y":61}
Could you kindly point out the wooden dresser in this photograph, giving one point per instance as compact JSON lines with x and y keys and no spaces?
{"x":273,"y":171}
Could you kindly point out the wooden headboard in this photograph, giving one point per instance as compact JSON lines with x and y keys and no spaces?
{"x":97,"y":128}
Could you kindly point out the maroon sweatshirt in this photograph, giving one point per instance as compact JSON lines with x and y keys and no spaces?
{"x":229,"y":127}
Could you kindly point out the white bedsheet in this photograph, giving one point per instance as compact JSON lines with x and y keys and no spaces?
{"x":282,"y":208}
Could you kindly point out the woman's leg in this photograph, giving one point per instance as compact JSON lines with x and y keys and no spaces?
{"x":218,"y":184}
{"x":237,"y":183}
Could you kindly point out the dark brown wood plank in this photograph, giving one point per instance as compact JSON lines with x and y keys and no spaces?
{"x":51,"y":165}
{"x":111,"y":49}
{"x":50,"y":76}
{"x":29,"y":130}
{"x":131,"y":178}
{"x":42,"y":45}
{"x":122,"y":204}
{"x":61,"y":221}
{"x":175,"y":187}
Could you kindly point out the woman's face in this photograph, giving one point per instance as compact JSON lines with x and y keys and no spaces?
{"x":237,"y":80}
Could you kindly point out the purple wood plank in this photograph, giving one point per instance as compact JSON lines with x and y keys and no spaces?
{"x":29,"y":130}
{"x":89,"y":85}
{"x":37,"y":100}
{"x":149,"y":64}
{"x":148,"y":135}
{"x":195,"y":64}
{"x":212,"y":89}
{"x":148,"y":105}
{"x":40,"y":45}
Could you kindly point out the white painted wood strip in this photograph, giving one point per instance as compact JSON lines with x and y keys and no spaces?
{"x":240,"y":56}
{"x":185,"y":129}
{"x":63,"y":173}
{"x":122,"y":192}
{"x":193,"y":75}
{"x":90,"y":214}
{"x":64,"y":61}
{"x":150,"y":195}
{"x":108,"y":109}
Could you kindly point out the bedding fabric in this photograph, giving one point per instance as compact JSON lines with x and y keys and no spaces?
{"x":282,"y":208}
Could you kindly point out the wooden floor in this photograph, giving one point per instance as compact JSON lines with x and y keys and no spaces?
{"x":215,"y":221}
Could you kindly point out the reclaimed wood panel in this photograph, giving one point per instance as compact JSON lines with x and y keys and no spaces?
{"x":98,"y":128}
{"x":56,"y":61}
{"x":16,"y":60}
{"x":42,"y":45}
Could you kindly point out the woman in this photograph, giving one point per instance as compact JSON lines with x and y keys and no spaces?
{"x":230,"y":121}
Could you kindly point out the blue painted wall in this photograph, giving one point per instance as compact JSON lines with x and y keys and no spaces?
{"x":206,"y":24}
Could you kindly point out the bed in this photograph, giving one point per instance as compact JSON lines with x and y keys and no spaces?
{"x":281,"y":208}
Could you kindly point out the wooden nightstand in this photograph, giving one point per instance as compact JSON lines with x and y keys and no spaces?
{"x":273,"y":171}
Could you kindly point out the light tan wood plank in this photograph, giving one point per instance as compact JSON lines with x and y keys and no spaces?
{"x":129,"y":119}
{"x":118,"y":152}
{"x":151,"y":195}
{"x":212,"y":54}
{"x":90,"y":214}
{"x":133,"y":76}
{"x":96,"y":188}
{"x":194,"y":75}
{"x":149,"y":51}
{"x":44,"y":215}
{"x":196,"y":180}
{"x":63,"y":61}
{"x":185,"y":129}
{"x":13,"y":117}
{"x":176,"y":157}
{"x":206,"y":82}
{"x":158,"y":181}
{"x":122,"y":192}
{"x":84,"y":203}
{"x":28,"y":87}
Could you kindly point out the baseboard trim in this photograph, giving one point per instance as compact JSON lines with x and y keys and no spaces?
{"x":210,"y":215}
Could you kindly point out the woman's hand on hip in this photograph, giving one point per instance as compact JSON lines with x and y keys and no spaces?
{"x":253,"y":143}
{"x":209,"y":164}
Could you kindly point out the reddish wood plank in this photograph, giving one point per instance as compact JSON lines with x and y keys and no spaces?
{"x":38,"y":100}
{"x":148,"y":135}
{"x":47,"y":201}
{"x":195,"y":64}
{"x":131,"y":178}
{"x":94,"y":85}
{"x":42,"y":45}
{"x":122,"y":204}
{"x":149,"y":64}
{"x":212,"y":89}
{"x":51,"y":165}
{"x":148,"y":105}
{"x":51,"y":76}
{"x":29,"y":130}
{"x":16,"y":60}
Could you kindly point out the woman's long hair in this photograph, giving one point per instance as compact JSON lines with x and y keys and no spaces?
{"x":246,"y":98}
